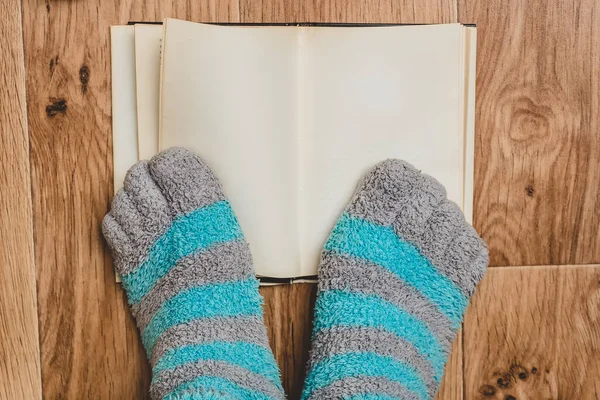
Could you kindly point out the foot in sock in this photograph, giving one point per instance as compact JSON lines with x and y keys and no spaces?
{"x":395,"y":277}
{"x":188,"y":275}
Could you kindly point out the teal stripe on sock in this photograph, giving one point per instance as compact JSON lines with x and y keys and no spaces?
{"x":371,"y":396}
{"x":250,"y":356}
{"x":380,"y":245}
{"x":217,"y":384}
{"x":202,"y":228}
{"x":200,"y":395}
{"x":239,"y":298}
{"x":341,"y":308}
{"x":349,"y":365}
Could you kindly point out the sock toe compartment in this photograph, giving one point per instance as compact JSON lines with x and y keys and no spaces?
{"x":185,"y":180}
{"x":394,"y":188}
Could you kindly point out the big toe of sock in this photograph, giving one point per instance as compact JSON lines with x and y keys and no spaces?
{"x":185,"y":180}
{"x":393,"y":189}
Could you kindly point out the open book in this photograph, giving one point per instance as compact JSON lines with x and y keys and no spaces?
{"x":291,"y":117}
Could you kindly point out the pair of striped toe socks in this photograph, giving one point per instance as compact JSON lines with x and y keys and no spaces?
{"x":395,"y":277}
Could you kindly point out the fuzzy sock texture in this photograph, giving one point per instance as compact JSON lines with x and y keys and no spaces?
{"x":188,"y":275}
{"x":395,"y":277}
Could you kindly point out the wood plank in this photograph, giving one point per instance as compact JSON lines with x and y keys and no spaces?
{"x":534,"y":333}
{"x":20,"y":376}
{"x":381,"y":11}
{"x":453,"y":382}
{"x":90,"y":347}
{"x":537,"y":143}
{"x":288,"y":315}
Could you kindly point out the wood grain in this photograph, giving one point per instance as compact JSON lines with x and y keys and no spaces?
{"x":89,"y":345}
{"x":377,"y":11}
{"x":20,"y":376}
{"x":453,"y":381}
{"x":288,"y":315}
{"x":537,"y":143}
{"x":534,"y":333}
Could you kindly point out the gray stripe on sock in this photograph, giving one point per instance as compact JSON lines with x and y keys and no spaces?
{"x":339,"y":272}
{"x":346,"y":387}
{"x":346,"y":339}
{"x":169,"y":380}
{"x":224,"y":262}
{"x":118,"y":241}
{"x":249,"y":329}
{"x":479,"y":267}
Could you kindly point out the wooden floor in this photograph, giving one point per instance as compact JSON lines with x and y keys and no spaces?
{"x":533,"y":329}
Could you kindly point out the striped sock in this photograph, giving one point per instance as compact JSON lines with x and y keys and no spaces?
{"x":188,"y":275}
{"x":395,"y":278}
